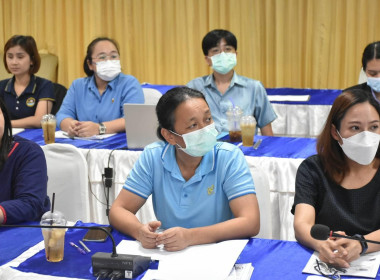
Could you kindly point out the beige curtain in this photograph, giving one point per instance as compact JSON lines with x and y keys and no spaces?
{"x":283,"y":43}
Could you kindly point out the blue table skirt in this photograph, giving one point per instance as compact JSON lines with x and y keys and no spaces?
{"x":317,"y":96}
{"x":280,"y":147}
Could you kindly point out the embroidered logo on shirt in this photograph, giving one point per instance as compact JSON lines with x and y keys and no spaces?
{"x":30,"y":102}
{"x":113,"y":100}
{"x":210,"y":190}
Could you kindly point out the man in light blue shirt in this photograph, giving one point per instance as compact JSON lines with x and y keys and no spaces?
{"x":94,"y":105}
{"x":224,"y":88}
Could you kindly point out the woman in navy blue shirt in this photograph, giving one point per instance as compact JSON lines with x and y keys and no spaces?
{"x":23,"y":176}
{"x":27,"y":96}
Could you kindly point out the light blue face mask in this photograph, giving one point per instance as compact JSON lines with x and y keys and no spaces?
{"x":374,"y":83}
{"x":223,"y":62}
{"x":199,"y":142}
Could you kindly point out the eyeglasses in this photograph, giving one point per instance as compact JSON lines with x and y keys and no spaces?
{"x":103,"y":57}
{"x":328,"y":271}
{"x":223,"y":48}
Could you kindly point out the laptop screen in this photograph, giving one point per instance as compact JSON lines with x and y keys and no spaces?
{"x":140,"y":125}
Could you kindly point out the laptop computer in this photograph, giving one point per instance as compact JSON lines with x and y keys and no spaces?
{"x":140,"y":124}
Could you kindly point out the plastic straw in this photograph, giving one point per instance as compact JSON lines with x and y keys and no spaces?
{"x":233,"y":113}
{"x":52,"y":203}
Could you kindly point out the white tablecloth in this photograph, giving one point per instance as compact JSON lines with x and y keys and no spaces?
{"x":299,"y":120}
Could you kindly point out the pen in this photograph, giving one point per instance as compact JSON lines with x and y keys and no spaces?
{"x":79,"y":249}
{"x":84,"y":246}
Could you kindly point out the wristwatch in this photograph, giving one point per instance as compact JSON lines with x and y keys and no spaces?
{"x":363,"y":243}
{"x":102,"y":128}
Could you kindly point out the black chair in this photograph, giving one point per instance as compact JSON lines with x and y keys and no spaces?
{"x":59,"y":93}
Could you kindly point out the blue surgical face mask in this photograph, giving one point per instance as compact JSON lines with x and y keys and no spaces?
{"x":223,"y":62}
{"x":199,"y":142}
{"x":374,"y":83}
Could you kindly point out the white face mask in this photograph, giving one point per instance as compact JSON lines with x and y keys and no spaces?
{"x":361,"y":147}
{"x":108,"y":70}
{"x":199,"y":142}
{"x":374,"y":83}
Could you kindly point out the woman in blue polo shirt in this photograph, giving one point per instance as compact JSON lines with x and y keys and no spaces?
{"x":202,"y":190}
{"x":94,"y":105}
{"x":27,"y":96}
{"x":23,"y":176}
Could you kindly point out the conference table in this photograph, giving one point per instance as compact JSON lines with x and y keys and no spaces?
{"x":276,"y":159}
{"x":300,"y":112}
{"x":22,"y":256}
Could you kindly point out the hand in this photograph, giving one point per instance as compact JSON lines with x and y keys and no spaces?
{"x":330,"y":251}
{"x":353,"y":248}
{"x":72,"y":132}
{"x":87,"y":129}
{"x":147,"y":235}
{"x":174,"y":239}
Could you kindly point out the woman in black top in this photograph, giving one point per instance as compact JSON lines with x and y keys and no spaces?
{"x":340,"y":186}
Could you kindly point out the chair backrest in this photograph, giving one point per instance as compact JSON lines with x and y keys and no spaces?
{"x":48,"y":68}
{"x":68,"y":179}
{"x":263,"y":196}
{"x":362,"y":76}
{"x":151,"y":95}
{"x":59,"y":94}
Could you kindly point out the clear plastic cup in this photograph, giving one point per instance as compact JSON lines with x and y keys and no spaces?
{"x":233,"y":116}
{"x":48,"y":124}
{"x":248,"y":128}
{"x":54,"y":238}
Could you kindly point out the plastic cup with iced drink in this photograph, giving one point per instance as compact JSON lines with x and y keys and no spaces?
{"x":54,"y":238}
{"x":248,"y":128}
{"x":49,"y":123}
{"x":233,"y":116}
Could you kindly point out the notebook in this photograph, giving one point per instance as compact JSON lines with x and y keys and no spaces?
{"x":140,"y":125}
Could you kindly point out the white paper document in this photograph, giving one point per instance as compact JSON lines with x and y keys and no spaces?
{"x":292,"y":98}
{"x":366,"y":266}
{"x":63,"y":134}
{"x":209,"y":261}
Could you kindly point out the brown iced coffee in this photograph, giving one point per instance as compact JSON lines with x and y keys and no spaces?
{"x":233,"y":116}
{"x":48,"y":124}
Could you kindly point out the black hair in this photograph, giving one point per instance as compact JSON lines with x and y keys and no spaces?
{"x":357,"y":96}
{"x":333,"y":160}
{"x":28,"y":44}
{"x":371,"y":51}
{"x":169,"y":102}
{"x":7,"y":139}
{"x":90,"y":50}
{"x":212,"y":39}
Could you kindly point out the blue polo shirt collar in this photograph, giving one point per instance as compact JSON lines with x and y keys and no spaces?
{"x":170,"y":163}
{"x":31,"y":88}
{"x":236,"y":79}
{"x":112,"y":84}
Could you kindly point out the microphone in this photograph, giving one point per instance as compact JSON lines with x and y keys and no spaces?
{"x":105,"y":264}
{"x":108,"y":176}
{"x":322,"y":232}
